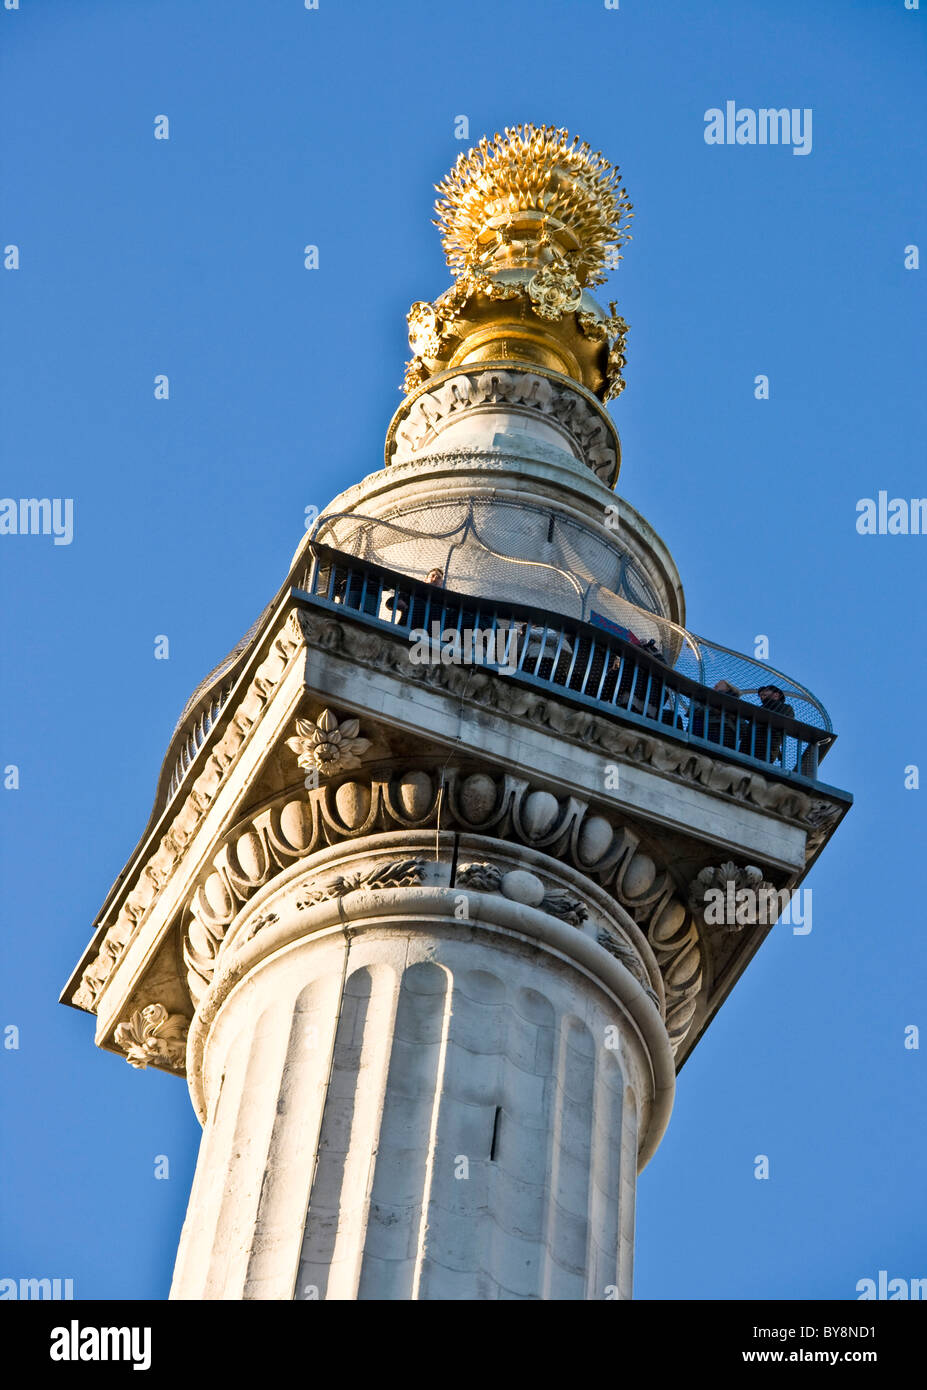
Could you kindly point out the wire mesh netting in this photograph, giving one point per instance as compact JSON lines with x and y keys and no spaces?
{"x":500,"y":549}
{"x":510,"y":552}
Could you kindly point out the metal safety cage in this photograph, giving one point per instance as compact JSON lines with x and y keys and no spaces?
{"x":628,"y":676}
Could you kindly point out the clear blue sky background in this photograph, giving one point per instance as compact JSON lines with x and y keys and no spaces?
{"x":184,"y":257}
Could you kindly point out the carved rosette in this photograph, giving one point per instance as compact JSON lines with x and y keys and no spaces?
{"x":330,"y":745}
{"x":152,"y":1035}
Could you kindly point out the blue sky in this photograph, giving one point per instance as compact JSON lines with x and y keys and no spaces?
{"x":184,"y":257}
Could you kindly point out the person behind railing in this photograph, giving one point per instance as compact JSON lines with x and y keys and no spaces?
{"x":396,"y":603}
{"x":757,"y":737}
{"x":772,"y":699}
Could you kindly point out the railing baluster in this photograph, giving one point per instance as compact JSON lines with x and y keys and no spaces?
{"x":635,"y":672}
{"x":619,"y":657}
{"x":521,"y":643}
{"x":592,"y":648}
{"x":553,"y":672}
{"x":312,"y":577}
{"x":605,"y":665}
{"x":574,"y":655}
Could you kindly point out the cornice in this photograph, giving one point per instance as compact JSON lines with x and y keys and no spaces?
{"x":294,"y":827}
{"x":815,"y":813}
{"x":139,"y":893}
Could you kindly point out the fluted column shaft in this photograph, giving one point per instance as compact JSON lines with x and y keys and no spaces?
{"x":406,"y":1105}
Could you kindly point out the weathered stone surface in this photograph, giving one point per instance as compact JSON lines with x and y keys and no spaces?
{"x":447,"y":1094}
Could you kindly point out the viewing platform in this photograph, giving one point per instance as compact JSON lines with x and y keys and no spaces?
{"x":658,"y":682}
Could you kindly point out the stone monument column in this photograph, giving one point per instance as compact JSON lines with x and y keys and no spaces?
{"x":427,"y":908}
{"x":416,"y":1090}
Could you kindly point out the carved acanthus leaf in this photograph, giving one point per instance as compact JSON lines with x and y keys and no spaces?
{"x":520,"y":885}
{"x":404,"y":873}
{"x":726,"y":881}
{"x":416,"y":374}
{"x":153,"y":1035}
{"x":562,"y":905}
{"x":629,"y":958}
{"x":617,"y":330}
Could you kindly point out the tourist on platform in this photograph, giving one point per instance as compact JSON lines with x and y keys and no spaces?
{"x":395,"y":602}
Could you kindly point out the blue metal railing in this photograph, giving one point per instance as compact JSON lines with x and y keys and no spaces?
{"x":581,"y":661}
